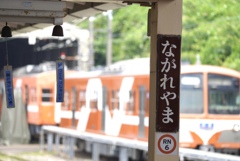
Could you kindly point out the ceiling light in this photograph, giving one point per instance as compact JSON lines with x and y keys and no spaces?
{"x":6,"y":31}
{"x":57,"y":30}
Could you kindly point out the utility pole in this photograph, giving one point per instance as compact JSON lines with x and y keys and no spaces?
{"x":109,"y":39}
{"x":91,"y":39}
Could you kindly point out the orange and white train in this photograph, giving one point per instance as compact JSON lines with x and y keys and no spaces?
{"x":115,"y":102}
{"x":37,"y":84}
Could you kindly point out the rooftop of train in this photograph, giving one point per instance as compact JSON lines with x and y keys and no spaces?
{"x":124,"y":67}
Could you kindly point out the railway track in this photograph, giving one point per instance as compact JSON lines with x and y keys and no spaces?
{"x":32,"y":152}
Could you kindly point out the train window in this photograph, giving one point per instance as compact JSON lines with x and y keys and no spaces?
{"x":46,"y":95}
{"x":32,"y":96}
{"x":65,"y":104}
{"x":146,"y":106}
{"x":74,"y":99}
{"x":26,"y":96}
{"x":191,"y":93}
{"x":115,"y":99}
{"x":93,"y":99}
{"x":81,"y":99}
{"x":130,"y":102}
{"x":223,"y":94}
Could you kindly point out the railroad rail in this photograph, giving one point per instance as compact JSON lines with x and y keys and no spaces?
{"x":123,"y":145}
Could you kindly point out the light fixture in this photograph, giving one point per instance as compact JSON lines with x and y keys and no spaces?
{"x":6,"y":31}
{"x":57,"y":30}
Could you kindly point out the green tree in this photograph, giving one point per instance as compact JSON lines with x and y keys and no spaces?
{"x":211,"y":29}
{"x":129,"y":33}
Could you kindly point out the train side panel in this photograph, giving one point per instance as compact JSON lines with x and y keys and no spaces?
{"x":46,"y":90}
{"x":118,"y":105}
{"x":28,"y":85}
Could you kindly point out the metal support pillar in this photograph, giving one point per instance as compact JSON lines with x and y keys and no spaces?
{"x":71,"y":147}
{"x":165,"y":18}
{"x":57,"y":140}
{"x":95,"y":152}
{"x":50,"y":141}
{"x":123,"y":154}
{"x":42,"y":145}
{"x":67,"y":143}
{"x":64,"y":142}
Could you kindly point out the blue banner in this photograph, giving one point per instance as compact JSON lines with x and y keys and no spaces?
{"x":9,"y":87}
{"x":60,"y":81}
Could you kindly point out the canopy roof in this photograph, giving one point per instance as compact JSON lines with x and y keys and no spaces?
{"x":28,"y":15}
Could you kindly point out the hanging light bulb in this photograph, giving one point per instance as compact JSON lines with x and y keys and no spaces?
{"x":57,"y":30}
{"x":6,"y":31}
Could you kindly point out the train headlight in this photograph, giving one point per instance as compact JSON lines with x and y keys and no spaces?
{"x":236,"y":127}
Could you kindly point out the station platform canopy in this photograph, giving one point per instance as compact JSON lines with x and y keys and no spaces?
{"x":24,"y":16}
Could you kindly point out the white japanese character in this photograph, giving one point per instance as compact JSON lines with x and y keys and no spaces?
{"x":164,"y":82}
{"x":168,"y":113}
{"x":168,"y":94}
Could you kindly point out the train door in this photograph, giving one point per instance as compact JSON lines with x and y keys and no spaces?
{"x":74,"y":104}
{"x":141,"y":127}
{"x":82,"y":109}
{"x":112,"y":115}
{"x":94,"y":103}
{"x":127,"y":108}
{"x":104,"y":106}
{"x":26,"y":98}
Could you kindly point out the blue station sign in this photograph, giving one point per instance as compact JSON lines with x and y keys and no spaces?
{"x":60,"y":81}
{"x":9,"y":86}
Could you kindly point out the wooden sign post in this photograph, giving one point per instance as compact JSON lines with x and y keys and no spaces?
{"x":167,"y":94}
{"x":165,"y":26}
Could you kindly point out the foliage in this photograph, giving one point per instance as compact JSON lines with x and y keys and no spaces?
{"x":210,"y":29}
{"x":129,"y":33}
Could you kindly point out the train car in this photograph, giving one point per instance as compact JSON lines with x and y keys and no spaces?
{"x":116,"y":102}
{"x":38,"y":97}
{"x":210,"y":108}
{"x":38,"y":87}
{"x":99,"y":101}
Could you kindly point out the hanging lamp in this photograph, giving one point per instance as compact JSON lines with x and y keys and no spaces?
{"x":6,"y":31}
{"x":57,"y":30}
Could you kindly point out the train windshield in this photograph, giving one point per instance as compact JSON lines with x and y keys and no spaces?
{"x":191,"y":93}
{"x":223,"y":96}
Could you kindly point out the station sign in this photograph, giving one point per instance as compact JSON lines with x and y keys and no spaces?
{"x":8,"y":78}
{"x":60,"y":81}
{"x":167,"y":143}
{"x":168,"y":83}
